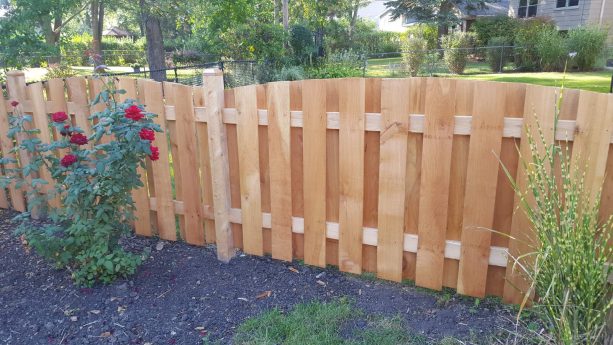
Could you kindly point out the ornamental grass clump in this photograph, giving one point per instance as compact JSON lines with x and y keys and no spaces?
{"x":568,"y":265}
{"x":92,"y":180}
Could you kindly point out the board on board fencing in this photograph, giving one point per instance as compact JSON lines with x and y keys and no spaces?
{"x":401,"y":177}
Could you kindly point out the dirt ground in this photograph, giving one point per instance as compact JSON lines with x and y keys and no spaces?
{"x":182,"y":294}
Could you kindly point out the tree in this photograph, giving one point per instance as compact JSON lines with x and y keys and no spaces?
{"x":97,"y":21}
{"x":150,"y":19}
{"x":442,"y":13}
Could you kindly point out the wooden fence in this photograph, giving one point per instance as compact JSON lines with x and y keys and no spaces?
{"x":394,"y":176}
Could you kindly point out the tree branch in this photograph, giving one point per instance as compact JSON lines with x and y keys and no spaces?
{"x":73,"y":16}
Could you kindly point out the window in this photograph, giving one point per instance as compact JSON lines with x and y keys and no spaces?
{"x":527,"y":8}
{"x":567,"y":3}
{"x":408,"y":20}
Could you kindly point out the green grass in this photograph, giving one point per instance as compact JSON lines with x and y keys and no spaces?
{"x":598,"y":81}
{"x":324,"y":323}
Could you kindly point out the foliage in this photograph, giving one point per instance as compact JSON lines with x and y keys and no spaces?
{"x":588,"y":42}
{"x":93,"y":181}
{"x":364,"y":38}
{"x":438,"y":12}
{"x":552,"y":49}
{"x":60,"y":71}
{"x":301,"y":41}
{"x":486,"y":28}
{"x":116,"y":51}
{"x":496,"y":55}
{"x":428,"y":32}
{"x":526,"y":37}
{"x":291,"y":73}
{"x":456,"y":46}
{"x":568,"y":263}
{"x":415,"y":51}
{"x":339,"y":65}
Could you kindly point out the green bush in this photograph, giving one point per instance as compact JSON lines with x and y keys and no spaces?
{"x":457,"y":48}
{"x":415,"y":50}
{"x":93,"y":183}
{"x":496,"y":55}
{"x":428,"y":32}
{"x":338,"y":65}
{"x":116,"y":51}
{"x":526,"y":38}
{"x":589,"y":43}
{"x":551,"y":47}
{"x":301,"y":41}
{"x":486,"y":28}
{"x":290,"y":73}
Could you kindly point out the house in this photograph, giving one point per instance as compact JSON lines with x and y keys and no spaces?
{"x":116,"y":32}
{"x":377,"y":12}
{"x":567,"y":14}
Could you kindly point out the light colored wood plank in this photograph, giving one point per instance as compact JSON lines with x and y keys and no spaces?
{"x":169,"y":97}
{"x":205,"y":165}
{"x":434,"y":188}
{"x":314,"y":169}
{"x":278,"y":98}
{"x":249,"y":169}
{"x":41,"y":121}
{"x":165,"y":215}
{"x":593,"y":129}
{"x":481,"y":184}
{"x":392,"y":175}
{"x":351,"y":173}
{"x":539,"y":107}
{"x":218,"y":155}
{"x":188,"y":153}
{"x":77,"y":93}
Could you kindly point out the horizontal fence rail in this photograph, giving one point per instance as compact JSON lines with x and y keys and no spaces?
{"x":401,"y":177}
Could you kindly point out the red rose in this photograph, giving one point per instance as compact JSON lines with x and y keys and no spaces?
{"x":65,"y":131}
{"x":155,"y":153}
{"x":68,"y":160}
{"x":58,"y":117}
{"x":78,"y":139}
{"x":14,"y":104}
{"x":134,"y":112}
{"x":147,"y":134}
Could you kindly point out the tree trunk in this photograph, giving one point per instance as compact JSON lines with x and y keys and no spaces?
{"x":277,"y":16}
{"x":155,"y":42}
{"x":285,"y":14}
{"x":52,"y":36}
{"x":354,"y":17}
{"x":97,"y":21}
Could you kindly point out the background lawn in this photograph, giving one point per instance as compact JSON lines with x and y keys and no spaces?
{"x":594,"y":81}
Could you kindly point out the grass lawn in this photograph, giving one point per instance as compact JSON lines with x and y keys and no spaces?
{"x":598,"y":81}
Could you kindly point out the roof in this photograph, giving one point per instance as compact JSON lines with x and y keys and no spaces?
{"x":115,"y":31}
{"x":496,"y":8}
{"x":373,"y":10}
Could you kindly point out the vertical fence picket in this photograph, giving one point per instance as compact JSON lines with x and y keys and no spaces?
{"x":297,"y":175}
{"x":539,"y":109}
{"x":77,"y":94}
{"x":314,"y":169}
{"x":220,"y":167}
{"x":392,"y":174}
{"x":165,"y":214}
{"x":332,"y":170}
{"x":280,"y":169}
{"x":481,"y":181}
{"x":435,"y":176}
{"x":351,"y":174}
{"x":249,"y":169}
{"x":188,"y":152}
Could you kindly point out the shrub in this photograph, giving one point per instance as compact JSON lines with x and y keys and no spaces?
{"x":568,"y":263}
{"x":290,"y":73}
{"x":339,"y":65}
{"x":552,"y":49}
{"x":428,"y":32}
{"x":93,"y":182}
{"x":415,"y":48}
{"x":301,"y":41}
{"x":588,"y":42}
{"x":486,"y":28}
{"x":526,"y":36}
{"x":456,"y":46}
{"x":60,"y":71}
{"x":496,"y":55}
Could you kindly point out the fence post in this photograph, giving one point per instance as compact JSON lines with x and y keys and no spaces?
{"x":220,"y":168}
{"x":16,"y":85}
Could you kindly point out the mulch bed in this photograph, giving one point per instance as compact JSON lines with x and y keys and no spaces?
{"x":182,"y":293}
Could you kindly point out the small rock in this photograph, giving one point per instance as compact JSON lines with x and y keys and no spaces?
{"x":123,"y":286}
{"x":74,"y":319}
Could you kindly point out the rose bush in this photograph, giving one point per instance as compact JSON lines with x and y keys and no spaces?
{"x":92,"y":179}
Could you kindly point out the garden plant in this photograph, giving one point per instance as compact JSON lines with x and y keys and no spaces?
{"x":92,"y":179}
